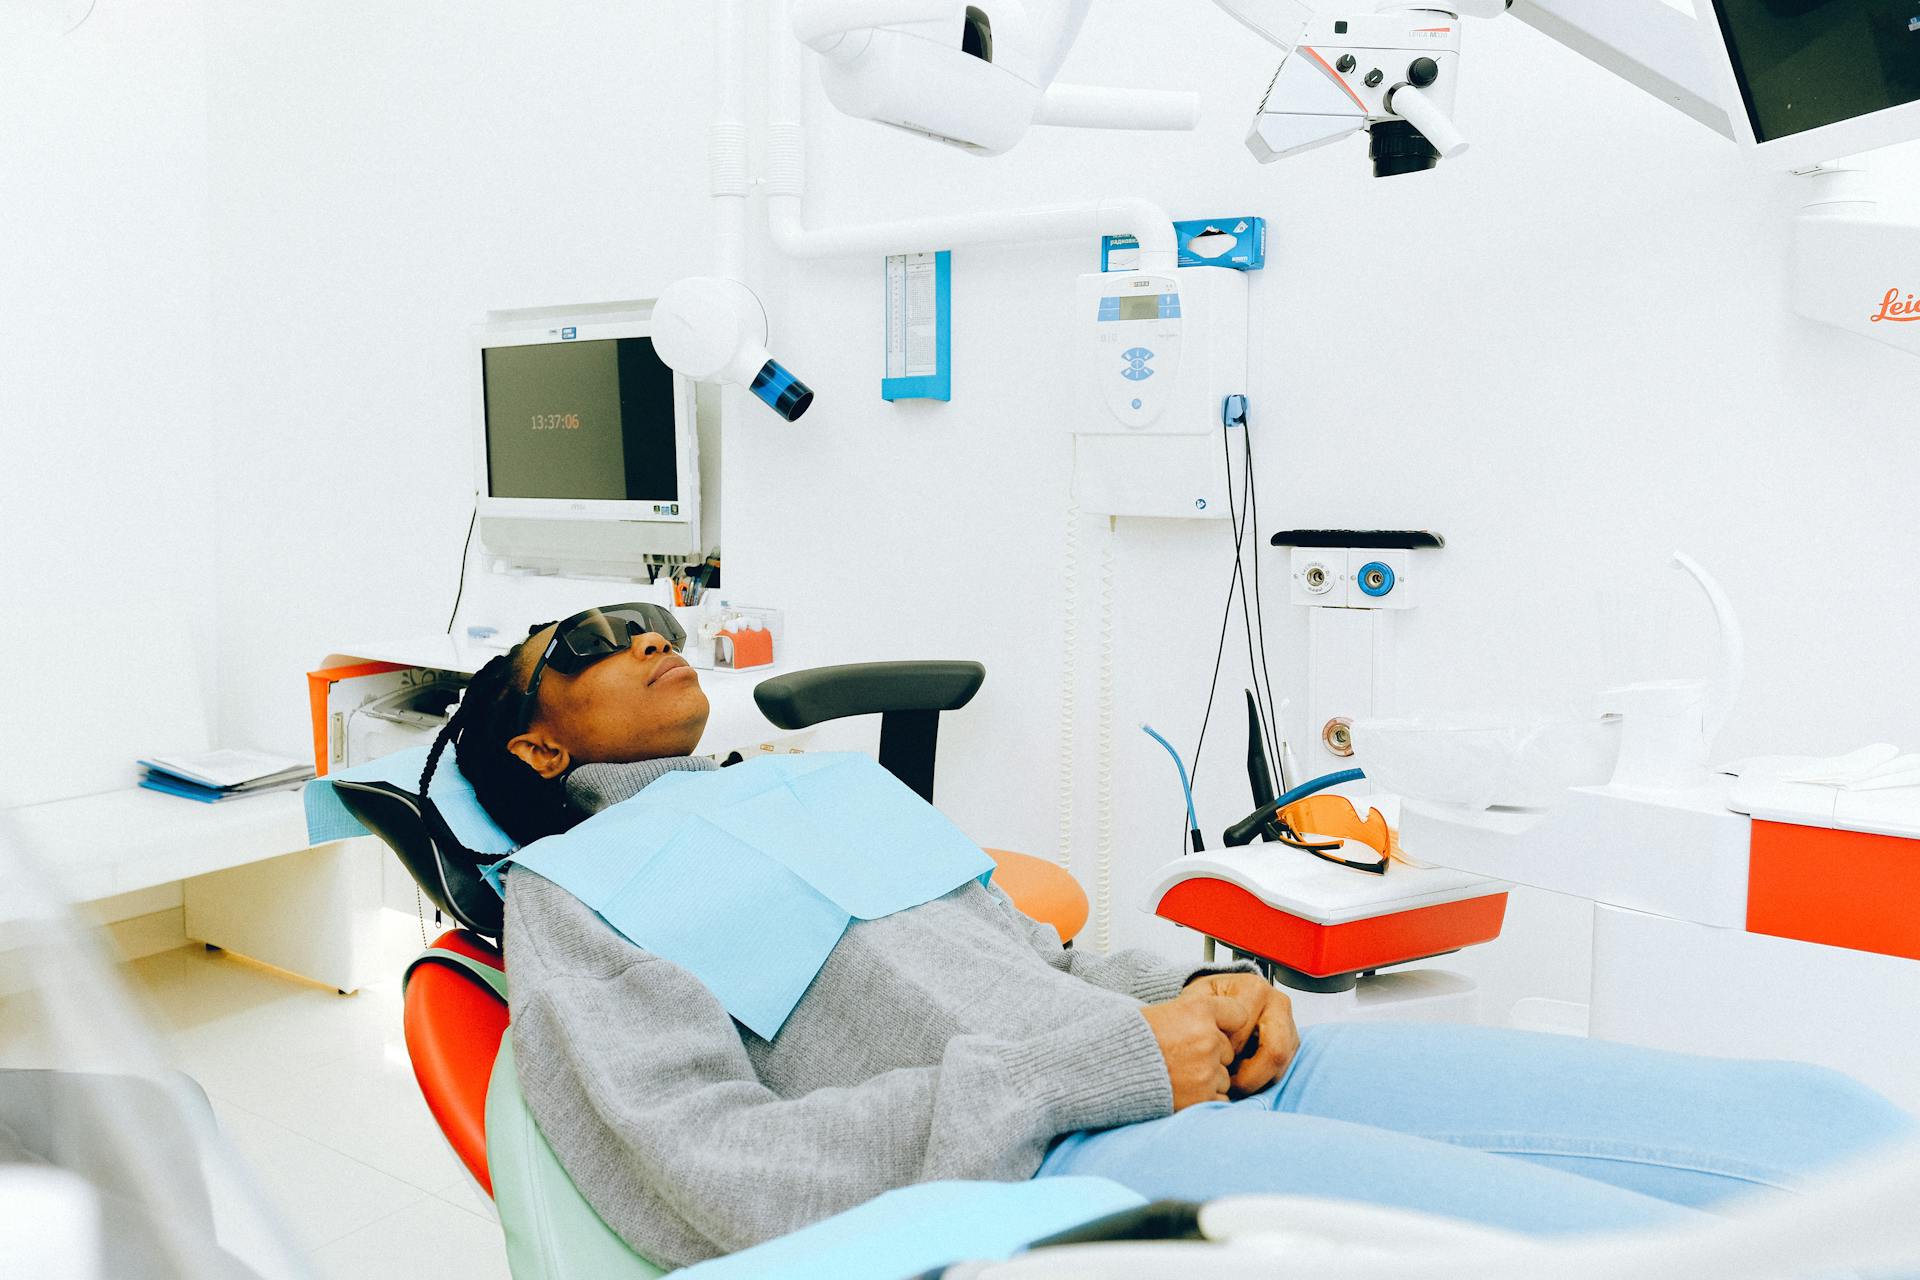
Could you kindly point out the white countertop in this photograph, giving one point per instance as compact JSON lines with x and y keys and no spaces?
{"x":119,"y":841}
{"x":1894,"y":812}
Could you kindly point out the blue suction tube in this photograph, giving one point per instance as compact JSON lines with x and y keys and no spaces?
{"x":1244,"y":831}
{"x":1193,"y":821}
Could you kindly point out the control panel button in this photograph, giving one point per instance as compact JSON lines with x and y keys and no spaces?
{"x":1346,"y":64}
{"x":1374,"y":77}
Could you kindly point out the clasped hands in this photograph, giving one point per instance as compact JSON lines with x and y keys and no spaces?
{"x":1225,"y":1036}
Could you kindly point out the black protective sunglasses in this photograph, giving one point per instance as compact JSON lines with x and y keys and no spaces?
{"x":593,"y":634}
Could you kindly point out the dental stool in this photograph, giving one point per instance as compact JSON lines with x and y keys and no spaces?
{"x":455,"y":1002}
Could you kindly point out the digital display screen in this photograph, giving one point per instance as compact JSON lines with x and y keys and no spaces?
{"x":1141,"y":306}
{"x":1803,"y":64}
{"x":582,"y":420}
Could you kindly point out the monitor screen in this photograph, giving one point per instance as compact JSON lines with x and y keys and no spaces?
{"x":1803,"y":64}
{"x":580,"y":420}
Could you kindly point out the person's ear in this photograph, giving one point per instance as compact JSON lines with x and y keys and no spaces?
{"x":542,"y":754}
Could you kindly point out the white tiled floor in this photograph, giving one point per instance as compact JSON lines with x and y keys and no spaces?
{"x":314,"y":1090}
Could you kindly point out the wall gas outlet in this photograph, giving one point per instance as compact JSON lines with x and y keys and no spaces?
{"x":1380,"y":579}
{"x":1320,"y":577}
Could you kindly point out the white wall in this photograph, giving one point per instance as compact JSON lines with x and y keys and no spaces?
{"x":383,"y":175}
{"x":106,"y":437}
{"x":1568,"y":351}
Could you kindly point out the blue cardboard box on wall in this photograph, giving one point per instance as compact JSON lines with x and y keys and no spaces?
{"x":1239,"y":243}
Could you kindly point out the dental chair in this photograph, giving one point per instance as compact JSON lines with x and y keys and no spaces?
{"x":455,"y":992}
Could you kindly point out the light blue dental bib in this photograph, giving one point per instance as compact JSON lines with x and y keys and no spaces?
{"x":746,"y":877}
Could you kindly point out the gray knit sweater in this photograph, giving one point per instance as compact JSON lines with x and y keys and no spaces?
{"x":956,"y":1039}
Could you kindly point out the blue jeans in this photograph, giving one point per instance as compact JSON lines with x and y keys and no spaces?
{"x":1533,"y":1133}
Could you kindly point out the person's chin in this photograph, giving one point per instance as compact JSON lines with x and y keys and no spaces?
{"x":689,"y":696}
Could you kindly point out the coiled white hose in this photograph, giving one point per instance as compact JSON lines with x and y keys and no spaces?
{"x":1103,"y":785}
{"x":1069,"y":679}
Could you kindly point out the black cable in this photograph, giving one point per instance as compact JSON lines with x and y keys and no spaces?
{"x":1226,"y":615}
{"x":1219,"y":650}
{"x":1247,"y":520}
{"x":1246,"y":610}
{"x":465,"y":547}
{"x":1256,"y":664}
{"x":1259,"y":606}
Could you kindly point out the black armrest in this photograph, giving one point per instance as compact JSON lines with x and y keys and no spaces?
{"x":803,"y":698}
{"x":907,"y":696}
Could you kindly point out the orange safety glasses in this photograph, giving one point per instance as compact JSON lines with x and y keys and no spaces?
{"x":1335,"y":819}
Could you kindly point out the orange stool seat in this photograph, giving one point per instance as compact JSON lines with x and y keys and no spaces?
{"x":453,"y":1028}
{"x":1041,"y":889}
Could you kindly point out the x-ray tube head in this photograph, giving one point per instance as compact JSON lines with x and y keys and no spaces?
{"x":714,"y":329}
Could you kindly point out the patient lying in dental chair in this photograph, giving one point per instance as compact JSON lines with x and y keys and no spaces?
{"x":958,"y":1039}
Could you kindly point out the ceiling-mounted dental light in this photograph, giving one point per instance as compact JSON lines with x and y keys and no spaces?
{"x":714,"y":329}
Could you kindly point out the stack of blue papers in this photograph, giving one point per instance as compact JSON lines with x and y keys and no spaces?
{"x":213,"y":776}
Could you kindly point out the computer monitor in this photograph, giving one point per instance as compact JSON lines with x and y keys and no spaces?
{"x":587,"y":447}
{"x":1807,"y":81}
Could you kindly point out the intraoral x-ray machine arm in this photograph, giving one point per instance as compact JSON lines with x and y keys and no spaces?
{"x":895,"y":61}
{"x":1391,"y":68}
{"x":786,"y":166}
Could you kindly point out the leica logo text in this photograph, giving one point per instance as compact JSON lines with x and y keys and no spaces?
{"x":1892,"y":308}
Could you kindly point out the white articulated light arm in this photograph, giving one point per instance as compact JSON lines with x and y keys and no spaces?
{"x":1088,"y":106}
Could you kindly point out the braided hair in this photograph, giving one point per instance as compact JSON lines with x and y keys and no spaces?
{"x":526,"y":805}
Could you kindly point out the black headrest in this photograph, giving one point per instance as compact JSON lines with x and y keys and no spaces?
{"x":419,"y":836}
